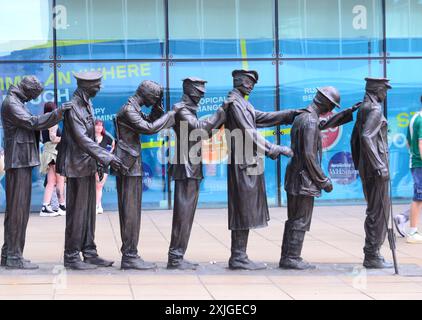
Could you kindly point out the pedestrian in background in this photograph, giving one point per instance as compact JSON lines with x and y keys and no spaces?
{"x":54,"y":182}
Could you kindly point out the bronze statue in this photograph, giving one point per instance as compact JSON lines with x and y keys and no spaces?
{"x":78,"y":154}
{"x":304,"y":176}
{"x":130,"y":123}
{"x":247,"y":199}
{"x":370,"y":156}
{"x":21,"y":150}
{"x":186,"y":173}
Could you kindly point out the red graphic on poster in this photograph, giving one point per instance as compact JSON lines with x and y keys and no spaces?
{"x":332,"y":136}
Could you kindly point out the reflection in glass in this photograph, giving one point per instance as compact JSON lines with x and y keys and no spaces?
{"x":98,"y":29}
{"x":221,"y":28}
{"x":26,"y":30}
{"x":404,"y":27}
{"x":326,"y":28}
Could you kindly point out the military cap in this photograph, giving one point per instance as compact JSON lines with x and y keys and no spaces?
{"x":89,"y":78}
{"x":375,"y":83}
{"x":197,"y":83}
{"x":249,"y":73}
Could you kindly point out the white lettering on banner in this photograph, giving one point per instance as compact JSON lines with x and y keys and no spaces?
{"x":63,"y":95}
{"x":210,"y":104}
{"x":99,"y":111}
{"x":46,"y":96}
{"x":309,"y":94}
{"x":60,"y":18}
{"x":360,"y":21}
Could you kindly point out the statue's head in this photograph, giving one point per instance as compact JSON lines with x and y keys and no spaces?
{"x":90,"y":82}
{"x":194,"y":88}
{"x":327,"y":98}
{"x":31,"y":87}
{"x":378,"y":87}
{"x":245,"y":80}
{"x":150,"y":92}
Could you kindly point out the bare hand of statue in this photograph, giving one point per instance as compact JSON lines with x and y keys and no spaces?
{"x":329,"y":187}
{"x":356,"y":106}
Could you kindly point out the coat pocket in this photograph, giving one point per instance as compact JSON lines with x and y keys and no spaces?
{"x":306,"y":182}
{"x":24,"y":136}
{"x":125,"y":153}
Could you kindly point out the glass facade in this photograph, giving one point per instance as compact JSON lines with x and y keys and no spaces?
{"x":295,"y":45}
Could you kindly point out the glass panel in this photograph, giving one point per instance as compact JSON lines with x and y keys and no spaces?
{"x":220,"y":82}
{"x":298,"y":80}
{"x":221,"y":28}
{"x":120,"y":82}
{"x":330,"y":28}
{"x":404,"y":27}
{"x":119,"y":29}
{"x":11,"y":74}
{"x":26,"y":30}
{"x":403,"y":102}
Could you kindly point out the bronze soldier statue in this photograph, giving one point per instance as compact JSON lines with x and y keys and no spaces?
{"x":370,"y":156}
{"x":247,"y":199}
{"x":78,"y":154}
{"x":304,"y":176}
{"x":21,"y":151}
{"x":186,"y":173}
{"x":130,"y":123}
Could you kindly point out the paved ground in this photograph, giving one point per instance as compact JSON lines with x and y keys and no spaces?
{"x":334,"y":244}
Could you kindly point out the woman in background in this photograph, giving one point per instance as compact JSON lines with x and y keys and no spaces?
{"x":107,"y":142}
{"x":54,"y":181}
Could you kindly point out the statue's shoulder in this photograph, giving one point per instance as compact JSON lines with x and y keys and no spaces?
{"x":179,"y":106}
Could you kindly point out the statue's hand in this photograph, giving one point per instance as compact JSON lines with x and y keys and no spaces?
{"x":282,"y":150}
{"x":228,"y":101}
{"x":329,"y":187}
{"x":356,"y":106}
{"x":116,"y":164}
{"x":383,"y":174}
{"x":64,"y":108}
{"x":159,"y":107}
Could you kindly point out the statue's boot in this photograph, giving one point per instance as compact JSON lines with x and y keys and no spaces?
{"x":181,"y":264}
{"x":20,"y":263}
{"x":292,"y":249}
{"x":79,"y":265}
{"x":136,"y":263}
{"x":239,"y":259}
{"x":376,"y":261}
{"x":98,"y":261}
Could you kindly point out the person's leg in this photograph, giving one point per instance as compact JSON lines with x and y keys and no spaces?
{"x":413,"y":235}
{"x":46,"y":210}
{"x":185,"y":203}
{"x":400,"y":220}
{"x":60,"y":189}
{"x":99,"y":192}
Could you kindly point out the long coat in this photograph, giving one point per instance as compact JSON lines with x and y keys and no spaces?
{"x":130,"y":123}
{"x":369,"y":139}
{"x":304,"y":175}
{"x":247,"y":198}
{"x":182,"y":166}
{"x":21,"y":130}
{"x":78,"y":152}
